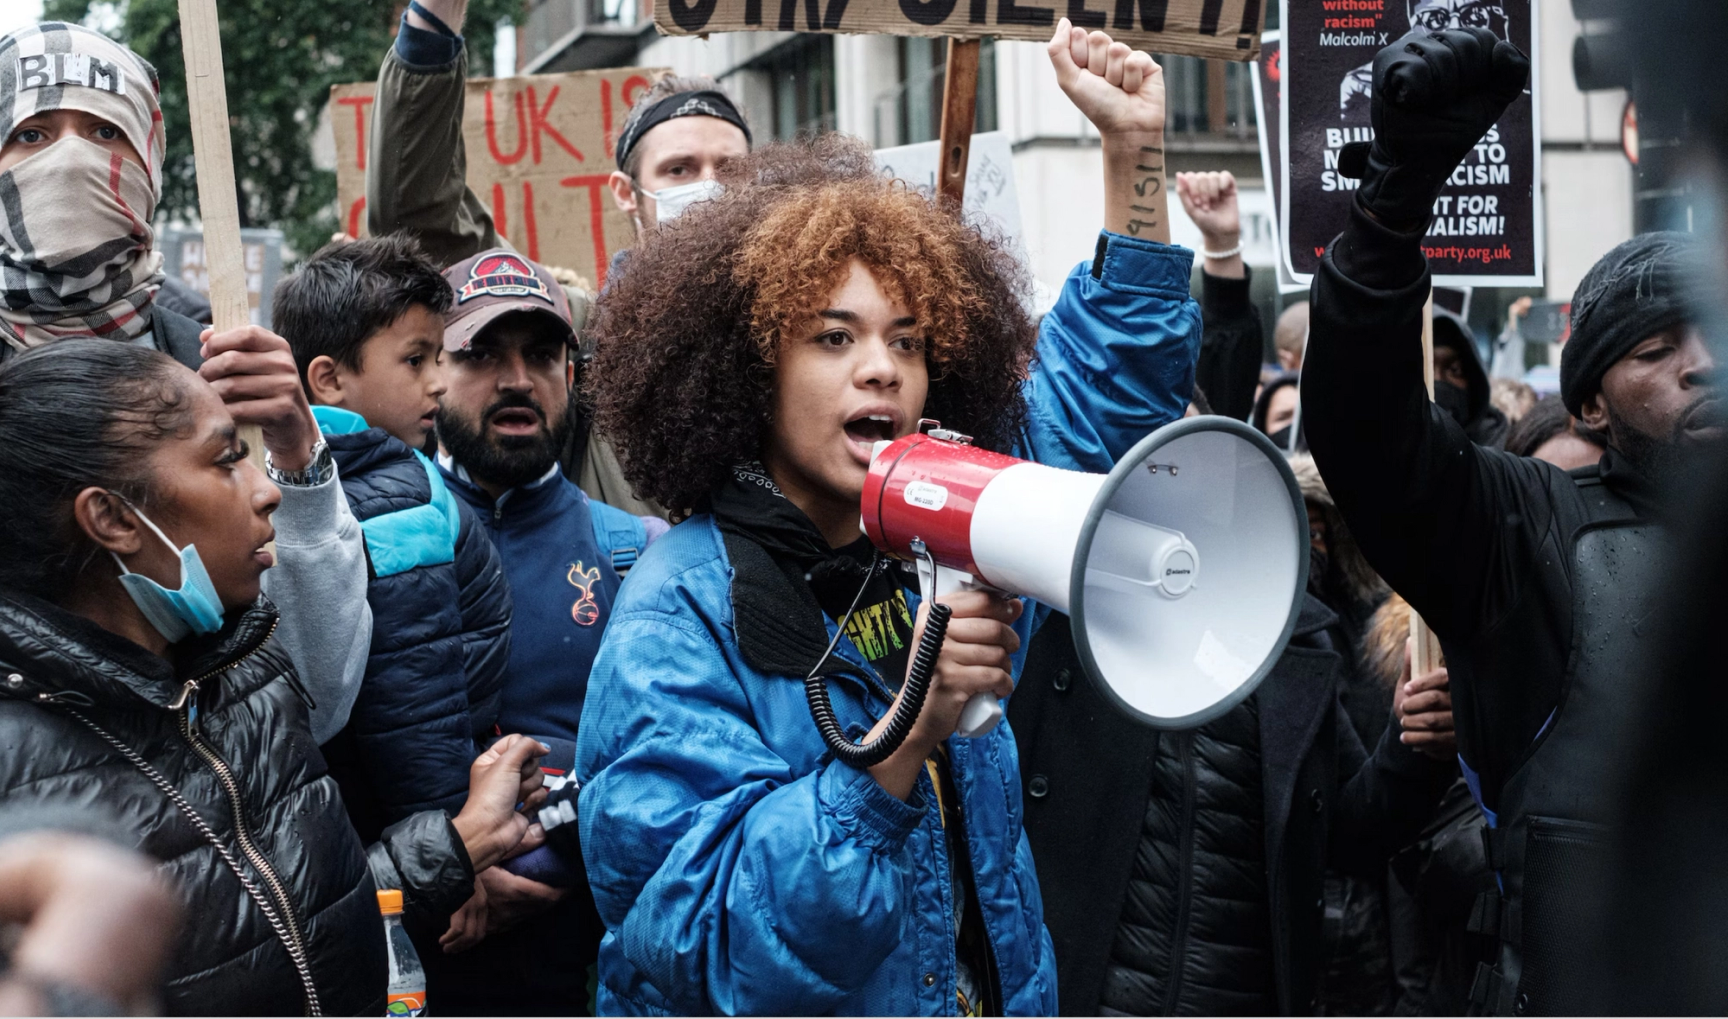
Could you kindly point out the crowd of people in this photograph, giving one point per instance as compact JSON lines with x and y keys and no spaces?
{"x":518,"y":616}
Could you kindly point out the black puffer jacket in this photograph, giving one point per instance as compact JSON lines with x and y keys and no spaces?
{"x":1196,"y":928}
{"x":1324,"y":800}
{"x":241,"y":739}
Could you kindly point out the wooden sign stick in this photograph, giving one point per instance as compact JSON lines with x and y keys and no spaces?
{"x":1424,"y":646}
{"x":959,"y":112}
{"x":213,"y":155}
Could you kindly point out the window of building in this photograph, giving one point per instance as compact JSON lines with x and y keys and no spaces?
{"x":1208,"y":97}
{"x":914,"y":107}
{"x":801,"y":75}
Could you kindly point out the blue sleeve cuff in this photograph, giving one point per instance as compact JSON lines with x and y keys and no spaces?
{"x":865,"y":810}
{"x":1135,"y":266}
{"x":422,"y":48}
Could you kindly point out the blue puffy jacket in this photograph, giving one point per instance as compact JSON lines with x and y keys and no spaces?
{"x":738,"y":868}
{"x":440,"y":632}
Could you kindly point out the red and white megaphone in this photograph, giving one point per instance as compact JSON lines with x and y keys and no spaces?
{"x":1181,"y":571}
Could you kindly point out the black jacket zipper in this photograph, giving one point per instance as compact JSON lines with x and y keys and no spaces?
{"x":186,"y":704}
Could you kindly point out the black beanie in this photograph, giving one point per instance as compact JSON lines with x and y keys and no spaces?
{"x":1635,"y":291}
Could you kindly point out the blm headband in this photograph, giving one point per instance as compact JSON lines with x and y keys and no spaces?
{"x":706,"y":103}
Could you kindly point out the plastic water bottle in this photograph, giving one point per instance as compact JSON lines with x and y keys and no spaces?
{"x":407,"y":976}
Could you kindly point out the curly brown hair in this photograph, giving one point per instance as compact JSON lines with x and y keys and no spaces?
{"x":687,"y":332}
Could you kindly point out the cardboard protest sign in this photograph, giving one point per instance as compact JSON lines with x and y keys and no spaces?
{"x":186,"y":257}
{"x":1220,"y":29}
{"x":990,"y":193}
{"x":540,"y":149}
{"x":1487,"y":227}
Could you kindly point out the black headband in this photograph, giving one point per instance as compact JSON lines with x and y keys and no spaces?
{"x":706,"y":103}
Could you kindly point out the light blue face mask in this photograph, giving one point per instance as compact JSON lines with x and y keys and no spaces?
{"x":670,"y":203}
{"x":194,"y":608}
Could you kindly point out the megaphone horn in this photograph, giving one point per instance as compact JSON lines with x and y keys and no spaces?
{"x":1182,"y":569}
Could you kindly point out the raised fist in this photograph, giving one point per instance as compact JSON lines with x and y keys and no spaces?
{"x":1435,"y":96}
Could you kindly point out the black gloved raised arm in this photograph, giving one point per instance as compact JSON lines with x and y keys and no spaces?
{"x":1435,"y":97}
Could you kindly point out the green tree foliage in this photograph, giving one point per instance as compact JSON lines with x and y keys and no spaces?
{"x":280,"y":58}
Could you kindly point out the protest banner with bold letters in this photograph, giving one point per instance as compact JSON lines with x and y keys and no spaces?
{"x":1487,"y":224}
{"x":540,"y":149}
{"x":1219,"y":29}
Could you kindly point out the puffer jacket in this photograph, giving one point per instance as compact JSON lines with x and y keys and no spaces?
{"x":440,"y":632}
{"x":1195,"y":935}
{"x":738,"y":867}
{"x":1324,"y":802}
{"x":227,"y":728}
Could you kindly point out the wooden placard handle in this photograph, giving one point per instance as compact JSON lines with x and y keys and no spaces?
{"x":959,"y":111}
{"x":1425,"y":655}
{"x":213,"y":156}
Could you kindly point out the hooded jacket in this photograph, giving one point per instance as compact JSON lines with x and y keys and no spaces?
{"x":440,"y":632}
{"x":240,"y":751}
{"x":1481,"y":420}
{"x":738,"y":867}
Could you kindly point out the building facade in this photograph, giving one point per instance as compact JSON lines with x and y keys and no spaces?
{"x":888,"y":91}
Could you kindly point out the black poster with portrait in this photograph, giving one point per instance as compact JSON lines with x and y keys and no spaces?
{"x":1487,"y":224}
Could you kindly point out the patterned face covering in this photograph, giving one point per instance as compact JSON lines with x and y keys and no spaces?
{"x":76,"y":246}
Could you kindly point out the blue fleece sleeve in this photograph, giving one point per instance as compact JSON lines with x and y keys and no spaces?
{"x":1116,"y":355}
{"x":733,"y":885}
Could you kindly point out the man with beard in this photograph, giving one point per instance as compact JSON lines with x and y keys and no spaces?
{"x":504,"y":416}
{"x":1540,"y":583}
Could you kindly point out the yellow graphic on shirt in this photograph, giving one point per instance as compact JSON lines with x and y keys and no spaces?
{"x":586,"y":611}
{"x":871,"y":629}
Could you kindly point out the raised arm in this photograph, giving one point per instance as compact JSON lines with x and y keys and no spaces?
{"x":1230,"y":353}
{"x":1429,"y":508}
{"x":1116,"y":354}
{"x":416,"y":165}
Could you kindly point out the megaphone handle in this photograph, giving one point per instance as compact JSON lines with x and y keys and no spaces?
{"x":979,"y":716}
{"x":983,"y":711}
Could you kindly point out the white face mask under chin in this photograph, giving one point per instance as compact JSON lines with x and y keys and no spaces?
{"x":670,"y":203}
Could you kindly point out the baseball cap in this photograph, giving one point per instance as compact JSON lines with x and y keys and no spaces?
{"x":495,"y":283}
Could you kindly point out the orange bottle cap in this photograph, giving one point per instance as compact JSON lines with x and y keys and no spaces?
{"x":389,"y":901}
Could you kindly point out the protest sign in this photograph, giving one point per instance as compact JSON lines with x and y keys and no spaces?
{"x":539,"y":154}
{"x":1267,"y":98}
{"x":1487,"y":225}
{"x":1219,"y":29}
{"x":186,"y":257}
{"x":991,"y":199}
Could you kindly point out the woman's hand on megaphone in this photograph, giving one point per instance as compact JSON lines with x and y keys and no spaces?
{"x":975,"y":658}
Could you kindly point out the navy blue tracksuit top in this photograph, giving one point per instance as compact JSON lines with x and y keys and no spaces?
{"x":562,"y":585}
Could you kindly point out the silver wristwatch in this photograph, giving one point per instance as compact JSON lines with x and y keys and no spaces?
{"x":321,"y":469}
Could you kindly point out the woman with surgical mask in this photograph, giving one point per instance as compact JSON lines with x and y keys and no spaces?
{"x":139,"y":677}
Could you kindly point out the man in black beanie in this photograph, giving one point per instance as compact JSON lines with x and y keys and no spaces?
{"x":1539,"y":583}
{"x":1636,"y":368}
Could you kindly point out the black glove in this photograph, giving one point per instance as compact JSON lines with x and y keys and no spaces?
{"x":1434,"y":98}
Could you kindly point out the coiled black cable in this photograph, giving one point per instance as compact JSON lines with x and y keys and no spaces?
{"x":865,"y":755}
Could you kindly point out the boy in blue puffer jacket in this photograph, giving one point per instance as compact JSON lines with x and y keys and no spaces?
{"x":365,"y":321}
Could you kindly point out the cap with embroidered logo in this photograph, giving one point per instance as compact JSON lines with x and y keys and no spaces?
{"x":497,"y":283}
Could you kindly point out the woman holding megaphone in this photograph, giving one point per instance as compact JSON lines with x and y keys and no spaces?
{"x":747,"y":364}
